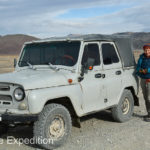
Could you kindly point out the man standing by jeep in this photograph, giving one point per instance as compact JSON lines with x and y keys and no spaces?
{"x":143,"y":71}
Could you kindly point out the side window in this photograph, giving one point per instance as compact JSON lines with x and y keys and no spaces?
{"x":91,"y":55}
{"x":109,"y":54}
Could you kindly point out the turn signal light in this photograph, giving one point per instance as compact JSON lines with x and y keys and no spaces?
{"x":70,"y":81}
{"x":90,"y":67}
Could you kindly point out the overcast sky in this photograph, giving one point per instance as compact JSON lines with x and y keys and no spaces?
{"x":46,"y":18}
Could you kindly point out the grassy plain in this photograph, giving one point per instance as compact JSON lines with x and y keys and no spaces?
{"x":7,"y":63}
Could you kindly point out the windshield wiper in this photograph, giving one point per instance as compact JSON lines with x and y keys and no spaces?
{"x":53,"y":67}
{"x":57,"y":69}
{"x":31,"y":66}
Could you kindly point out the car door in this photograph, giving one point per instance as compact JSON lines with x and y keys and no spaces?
{"x":92,"y":84}
{"x":112,"y":67}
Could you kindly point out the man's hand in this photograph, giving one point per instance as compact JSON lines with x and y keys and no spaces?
{"x":144,"y":71}
{"x":141,"y":70}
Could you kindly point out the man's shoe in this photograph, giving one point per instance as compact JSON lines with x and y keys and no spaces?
{"x":147,"y":118}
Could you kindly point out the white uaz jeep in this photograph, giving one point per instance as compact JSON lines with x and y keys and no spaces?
{"x":59,"y":79}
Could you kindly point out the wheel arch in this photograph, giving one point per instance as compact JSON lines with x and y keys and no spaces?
{"x":136,"y":99}
{"x":66,"y":102}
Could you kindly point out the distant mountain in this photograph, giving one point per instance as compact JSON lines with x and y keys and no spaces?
{"x":11,"y":44}
{"x":138,"y":38}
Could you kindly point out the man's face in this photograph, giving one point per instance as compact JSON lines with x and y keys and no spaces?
{"x":147,"y":51}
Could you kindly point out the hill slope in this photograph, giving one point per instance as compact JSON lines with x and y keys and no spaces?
{"x":11,"y":44}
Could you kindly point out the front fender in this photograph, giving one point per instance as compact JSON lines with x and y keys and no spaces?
{"x":37,"y":98}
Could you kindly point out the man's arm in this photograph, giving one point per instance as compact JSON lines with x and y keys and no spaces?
{"x":138,"y":68}
{"x":148,"y":70}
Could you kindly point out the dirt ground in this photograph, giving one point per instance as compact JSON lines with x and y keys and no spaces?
{"x":97,"y":132}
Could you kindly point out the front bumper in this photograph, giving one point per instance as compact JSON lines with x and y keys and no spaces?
{"x":14,"y":111}
{"x":18,"y":118}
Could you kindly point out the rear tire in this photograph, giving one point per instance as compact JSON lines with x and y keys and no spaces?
{"x":124,"y":110}
{"x":55,"y":124}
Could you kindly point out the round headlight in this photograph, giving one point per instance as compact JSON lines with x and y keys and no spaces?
{"x":19,"y":94}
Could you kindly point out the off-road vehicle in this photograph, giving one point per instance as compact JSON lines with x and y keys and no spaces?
{"x":58,"y":80}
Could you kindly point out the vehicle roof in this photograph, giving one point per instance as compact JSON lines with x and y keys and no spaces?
{"x":123,"y":44}
{"x":88,"y":37}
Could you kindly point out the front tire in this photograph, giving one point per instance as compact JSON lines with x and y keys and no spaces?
{"x":54,"y":123}
{"x":124,"y":110}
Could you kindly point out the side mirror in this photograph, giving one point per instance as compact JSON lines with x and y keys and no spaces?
{"x":90,"y":63}
{"x":15,"y":62}
{"x":83,"y":70}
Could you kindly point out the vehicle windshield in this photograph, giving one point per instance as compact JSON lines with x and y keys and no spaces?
{"x":55,"y":53}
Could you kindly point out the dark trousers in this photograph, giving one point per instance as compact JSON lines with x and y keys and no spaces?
{"x":146,"y":94}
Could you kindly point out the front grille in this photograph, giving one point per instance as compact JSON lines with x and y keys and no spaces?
{"x":4,"y":87}
{"x":6,"y":92}
{"x":6,"y":97}
{"x":5,"y":102}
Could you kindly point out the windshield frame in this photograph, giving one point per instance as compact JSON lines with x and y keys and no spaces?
{"x":74,"y":67}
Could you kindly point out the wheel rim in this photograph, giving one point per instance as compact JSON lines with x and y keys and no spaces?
{"x":57,"y":127}
{"x":125,"y":106}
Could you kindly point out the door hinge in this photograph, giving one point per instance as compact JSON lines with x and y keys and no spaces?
{"x":105,"y":100}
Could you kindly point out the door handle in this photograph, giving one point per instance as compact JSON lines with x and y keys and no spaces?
{"x":103,"y":75}
{"x":98,"y":75}
{"x":118,"y":72}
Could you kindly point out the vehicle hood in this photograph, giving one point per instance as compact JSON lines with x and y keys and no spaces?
{"x":34,"y":79}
